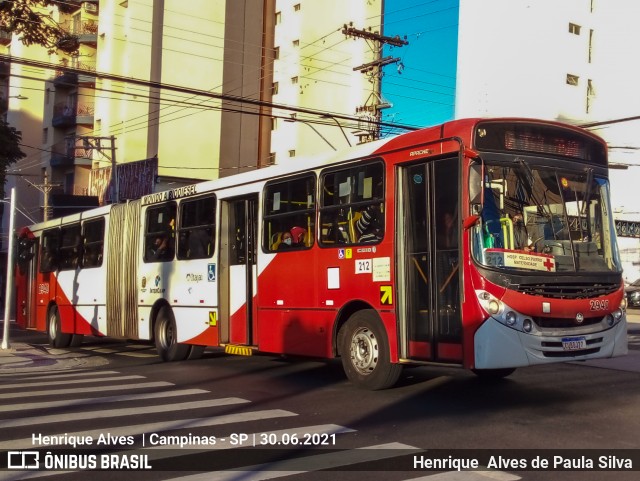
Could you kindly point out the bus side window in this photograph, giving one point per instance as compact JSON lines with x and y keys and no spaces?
{"x":49,"y":250}
{"x":289,"y":214}
{"x":160,"y":242}
{"x":93,"y":237}
{"x":352,"y":205}
{"x":196,"y":228}
{"x":70,"y":247}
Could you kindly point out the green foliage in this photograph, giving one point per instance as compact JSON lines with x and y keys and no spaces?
{"x":10,"y":152}
{"x":31,"y":22}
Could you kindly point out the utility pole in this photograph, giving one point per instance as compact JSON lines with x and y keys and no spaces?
{"x":46,"y":187}
{"x":91,"y":143}
{"x":371,"y":111}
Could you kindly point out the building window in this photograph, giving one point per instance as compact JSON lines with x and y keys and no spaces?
{"x":274,"y":88}
{"x":590,"y":45}
{"x":274,"y":123}
{"x":296,"y":43}
{"x":276,"y":53}
{"x":45,"y":135}
{"x":574,"y":29}
{"x":278,"y":18}
{"x":572,"y":79}
{"x":296,"y":7}
{"x":292,"y":153}
{"x":294,"y":80}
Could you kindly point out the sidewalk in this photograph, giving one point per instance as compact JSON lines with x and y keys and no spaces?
{"x":30,"y":352}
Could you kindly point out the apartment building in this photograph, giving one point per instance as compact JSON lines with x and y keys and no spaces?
{"x":185,"y":120}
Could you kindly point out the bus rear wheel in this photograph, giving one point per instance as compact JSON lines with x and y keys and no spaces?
{"x":364,"y":350}
{"x":56,"y":337}
{"x":169,"y":349}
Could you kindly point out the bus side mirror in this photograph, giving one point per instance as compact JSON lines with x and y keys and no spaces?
{"x":475,"y":184}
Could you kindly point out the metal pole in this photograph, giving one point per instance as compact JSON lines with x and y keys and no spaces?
{"x":8,"y":295}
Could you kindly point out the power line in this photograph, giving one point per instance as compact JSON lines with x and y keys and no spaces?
{"x":192,"y":91}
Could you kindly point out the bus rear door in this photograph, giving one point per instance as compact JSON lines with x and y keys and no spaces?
{"x":238,"y":271}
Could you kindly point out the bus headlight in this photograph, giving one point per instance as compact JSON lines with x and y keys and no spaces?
{"x":617,"y":314}
{"x":623,"y":303}
{"x":494,"y":307}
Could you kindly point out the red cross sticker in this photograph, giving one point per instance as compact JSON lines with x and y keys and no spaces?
{"x":549,"y":264}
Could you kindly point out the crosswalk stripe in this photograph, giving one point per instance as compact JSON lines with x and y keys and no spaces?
{"x":66,"y":375}
{"x":109,"y":413}
{"x":317,"y":462}
{"x":101,"y":400}
{"x":176,"y":424}
{"x":118,"y":387}
{"x":68,"y":381}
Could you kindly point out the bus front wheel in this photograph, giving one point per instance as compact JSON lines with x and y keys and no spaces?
{"x":56,"y":337}
{"x":364,"y":351}
{"x":169,"y":349}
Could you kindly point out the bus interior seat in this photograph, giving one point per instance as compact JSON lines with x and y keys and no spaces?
{"x":275,"y":241}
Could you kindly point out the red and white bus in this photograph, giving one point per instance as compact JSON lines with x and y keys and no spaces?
{"x":483,"y":243}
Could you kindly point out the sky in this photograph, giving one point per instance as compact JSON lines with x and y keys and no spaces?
{"x":421,"y":86}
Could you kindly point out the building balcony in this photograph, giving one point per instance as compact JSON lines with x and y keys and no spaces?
{"x":65,"y":80}
{"x":84,"y":114}
{"x":65,"y":115}
{"x":71,"y":151}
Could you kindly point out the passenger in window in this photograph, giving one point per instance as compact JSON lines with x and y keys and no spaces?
{"x":368,"y":227}
{"x":161,"y":249}
{"x":286,"y":241}
{"x":298,"y":235}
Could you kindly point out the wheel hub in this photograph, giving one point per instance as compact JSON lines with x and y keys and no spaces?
{"x":364,"y":351}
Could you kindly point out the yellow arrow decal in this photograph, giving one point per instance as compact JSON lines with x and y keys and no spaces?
{"x":386,"y":295}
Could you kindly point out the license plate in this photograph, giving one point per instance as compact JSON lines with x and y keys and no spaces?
{"x":574,"y":343}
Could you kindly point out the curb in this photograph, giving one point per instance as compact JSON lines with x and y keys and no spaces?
{"x":33,"y":358}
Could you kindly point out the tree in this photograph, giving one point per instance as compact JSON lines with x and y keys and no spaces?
{"x":10,"y":152}
{"x":31,"y":21}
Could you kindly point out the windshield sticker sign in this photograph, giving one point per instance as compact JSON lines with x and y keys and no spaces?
{"x":520,"y":260}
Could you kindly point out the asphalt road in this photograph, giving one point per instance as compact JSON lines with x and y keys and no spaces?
{"x":580,"y":411}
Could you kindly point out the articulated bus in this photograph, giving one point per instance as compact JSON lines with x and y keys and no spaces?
{"x":487,"y":244}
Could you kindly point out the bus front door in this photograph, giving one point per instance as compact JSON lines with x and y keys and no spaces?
{"x":427,"y":249}
{"x":238,"y":270}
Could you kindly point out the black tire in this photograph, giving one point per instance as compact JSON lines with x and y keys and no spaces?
{"x":56,"y":337}
{"x":364,"y":350}
{"x":493,"y":374}
{"x":165,"y":337}
{"x":76,"y":340}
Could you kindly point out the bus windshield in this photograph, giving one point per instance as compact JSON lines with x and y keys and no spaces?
{"x":536,"y":218}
